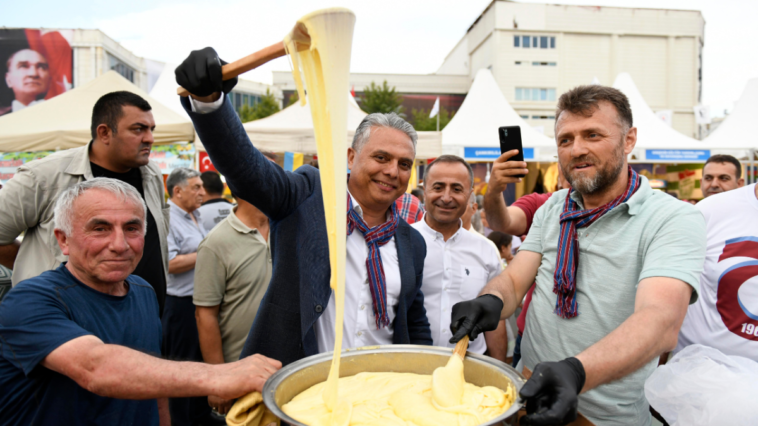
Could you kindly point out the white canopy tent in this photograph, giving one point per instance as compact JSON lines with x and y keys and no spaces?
{"x":291,"y":129}
{"x":736,"y":132}
{"x":64,"y":121}
{"x":656,"y":141}
{"x":164,"y":90}
{"x":473,"y":131}
{"x":735,"y":135}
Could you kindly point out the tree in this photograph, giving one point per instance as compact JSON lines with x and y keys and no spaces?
{"x":265,"y":107}
{"x":381,"y":99}
{"x":422,"y":122}
{"x":294,"y":98}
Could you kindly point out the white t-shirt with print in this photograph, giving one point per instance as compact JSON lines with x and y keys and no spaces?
{"x":726,"y":314}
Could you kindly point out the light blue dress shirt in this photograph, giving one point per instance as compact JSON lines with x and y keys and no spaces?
{"x":184,"y":236}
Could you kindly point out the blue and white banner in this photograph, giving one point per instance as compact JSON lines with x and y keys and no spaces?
{"x":677,"y":154}
{"x":489,"y":153}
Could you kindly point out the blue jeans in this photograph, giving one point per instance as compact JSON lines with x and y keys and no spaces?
{"x":517,"y":351}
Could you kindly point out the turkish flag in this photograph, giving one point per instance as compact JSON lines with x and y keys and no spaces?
{"x":205,"y":163}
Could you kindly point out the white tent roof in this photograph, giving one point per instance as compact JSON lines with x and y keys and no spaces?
{"x":64,"y":121}
{"x":652,"y":132}
{"x":484,"y":110}
{"x":291,"y":129}
{"x":164,"y":90}
{"x":737,"y":130}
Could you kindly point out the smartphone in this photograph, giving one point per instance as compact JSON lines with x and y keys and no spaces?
{"x":510,"y":139}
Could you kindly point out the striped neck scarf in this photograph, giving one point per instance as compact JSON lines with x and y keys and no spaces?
{"x":375,"y":237}
{"x":568,"y":245}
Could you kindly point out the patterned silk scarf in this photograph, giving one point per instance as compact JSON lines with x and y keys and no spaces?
{"x":568,"y":246}
{"x":375,"y":237}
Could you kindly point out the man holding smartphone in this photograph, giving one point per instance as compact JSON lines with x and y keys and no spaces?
{"x":616,"y":265}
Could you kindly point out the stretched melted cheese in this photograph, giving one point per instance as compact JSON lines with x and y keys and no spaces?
{"x":386,"y":399}
{"x":326,"y":68}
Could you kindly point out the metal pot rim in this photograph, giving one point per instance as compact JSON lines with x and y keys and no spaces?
{"x":273,"y":382}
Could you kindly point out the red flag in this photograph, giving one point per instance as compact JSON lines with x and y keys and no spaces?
{"x":352,"y":91}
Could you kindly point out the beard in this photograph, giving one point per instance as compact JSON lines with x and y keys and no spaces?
{"x":607,"y":173}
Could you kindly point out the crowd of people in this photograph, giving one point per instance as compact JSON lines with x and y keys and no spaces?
{"x":130,"y":308}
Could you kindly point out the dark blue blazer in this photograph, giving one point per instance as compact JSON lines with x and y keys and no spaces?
{"x":299,"y":289}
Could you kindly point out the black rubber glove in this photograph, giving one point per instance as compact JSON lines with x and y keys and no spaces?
{"x":552,"y":393}
{"x":201,"y":73}
{"x":475,"y":316}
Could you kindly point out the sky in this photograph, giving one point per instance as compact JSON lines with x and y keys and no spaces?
{"x":391,"y":36}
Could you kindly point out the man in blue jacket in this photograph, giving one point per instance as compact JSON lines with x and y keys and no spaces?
{"x":385,"y":256}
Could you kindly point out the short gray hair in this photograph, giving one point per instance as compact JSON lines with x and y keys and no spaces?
{"x":179,"y":177}
{"x":378,"y":119}
{"x":447,"y":158}
{"x":64,"y":206}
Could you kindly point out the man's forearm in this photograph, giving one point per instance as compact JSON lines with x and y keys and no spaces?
{"x":209,"y":334}
{"x":119,"y":372}
{"x":496,"y":211}
{"x":503,"y":287}
{"x":644,"y":336}
{"x":8,"y":253}
{"x":182,"y":263}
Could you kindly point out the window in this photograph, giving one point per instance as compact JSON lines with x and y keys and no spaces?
{"x":518,"y":62}
{"x":535,"y":94}
{"x":542,"y":117}
{"x":543,"y":64}
{"x":534,"y":42}
{"x":125,"y":70}
{"x":525,"y":117}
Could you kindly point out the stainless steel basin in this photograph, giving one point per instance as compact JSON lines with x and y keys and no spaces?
{"x":479,"y":370}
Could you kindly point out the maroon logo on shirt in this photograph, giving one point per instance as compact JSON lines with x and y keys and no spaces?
{"x":736,"y":312}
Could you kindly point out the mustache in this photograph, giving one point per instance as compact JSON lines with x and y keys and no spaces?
{"x":591,"y":159}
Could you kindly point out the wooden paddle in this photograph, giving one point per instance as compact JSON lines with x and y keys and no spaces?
{"x":461,"y":347}
{"x":299,"y":33}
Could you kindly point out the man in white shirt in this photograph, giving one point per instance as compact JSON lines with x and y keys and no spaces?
{"x":725,"y":315}
{"x":458,"y":263}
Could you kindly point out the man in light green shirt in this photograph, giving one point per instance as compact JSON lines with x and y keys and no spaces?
{"x":232,"y":273}
{"x":615,"y":266}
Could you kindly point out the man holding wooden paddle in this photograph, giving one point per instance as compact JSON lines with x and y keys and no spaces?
{"x":385,"y":256}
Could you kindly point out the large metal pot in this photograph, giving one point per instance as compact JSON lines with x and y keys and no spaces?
{"x":479,"y":370}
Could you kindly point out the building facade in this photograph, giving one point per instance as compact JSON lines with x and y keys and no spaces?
{"x":538,"y":51}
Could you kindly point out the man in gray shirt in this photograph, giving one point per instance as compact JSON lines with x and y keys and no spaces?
{"x":180,"y":339}
{"x":214,"y":208}
{"x":616,"y":265}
